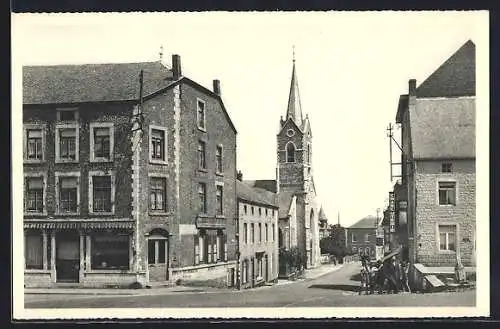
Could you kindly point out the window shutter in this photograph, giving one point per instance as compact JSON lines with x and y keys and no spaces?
{"x":196,"y":250}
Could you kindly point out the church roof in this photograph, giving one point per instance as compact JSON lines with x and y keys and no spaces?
{"x":322,"y":215}
{"x":455,"y":77}
{"x":266,"y":184}
{"x":294,"y":109}
{"x":365,"y":222}
{"x":284,"y":203}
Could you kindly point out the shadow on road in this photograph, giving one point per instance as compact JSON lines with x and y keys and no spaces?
{"x":343,"y":287}
{"x":356,"y":277}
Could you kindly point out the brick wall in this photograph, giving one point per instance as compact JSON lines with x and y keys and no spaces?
{"x":429,"y":214}
{"x":117,"y":114}
{"x":360,"y":233}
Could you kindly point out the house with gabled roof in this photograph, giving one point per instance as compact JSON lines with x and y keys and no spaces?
{"x":361,"y":236}
{"x":129,"y":176}
{"x":437,"y":200}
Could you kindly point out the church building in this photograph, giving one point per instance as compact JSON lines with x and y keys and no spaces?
{"x":298,"y":209}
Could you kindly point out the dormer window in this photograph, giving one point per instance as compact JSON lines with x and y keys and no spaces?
{"x":290,"y":152}
{"x":446,"y":167}
{"x":70,"y":114}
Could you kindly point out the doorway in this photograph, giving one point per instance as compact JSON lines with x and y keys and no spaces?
{"x":158,"y":255}
{"x":67,"y":256}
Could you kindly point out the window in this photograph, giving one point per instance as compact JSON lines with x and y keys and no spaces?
{"x":101,"y":186}
{"x":221,"y":246}
{"x":353,"y":237}
{"x":245,"y":209}
{"x":157,"y":145}
{"x":266,"y":211}
{"x":101,"y":141}
{"x":447,"y":193}
{"x":245,"y":233}
{"x":274,"y":237}
{"x":218,"y":156}
{"x":446,"y":167}
{"x":33,"y":249}
{"x":447,"y":237}
{"x":158,"y":194}
{"x":219,"y":200}
{"x":34,"y":195}
{"x":201,"y":155}
{"x":110,"y":251}
{"x":267,"y":233}
{"x":355,"y":249}
{"x":67,"y":143}
{"x":252,"y":232}
{"x":259,"y":267}
{"x":367,"y":237}
{"x":205,"y":248}
{"x":260,"y":212}
{"x":260,"y":231}
{"x":201,"y":114}
{"x":308,"y":153}
{"x":290,"y":152}
{"x":68,"y":194}
{"x":157,"y":250}
{"x":202,"y":194}
{"x":252,"y":211}
{"x":67,"y":115}
{"x":273,"y":212}
{"x":34,"y":144}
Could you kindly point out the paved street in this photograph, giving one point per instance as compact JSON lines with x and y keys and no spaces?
{"x":334,"y":289}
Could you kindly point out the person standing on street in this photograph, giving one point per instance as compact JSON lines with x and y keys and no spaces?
{"x":404,"y":272}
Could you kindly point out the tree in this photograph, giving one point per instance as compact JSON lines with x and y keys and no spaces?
{"x":335,"y":243}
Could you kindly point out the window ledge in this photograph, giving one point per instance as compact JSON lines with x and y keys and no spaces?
{"x":158,"y":162}
{"x":160,"y":213}
{"x":27,"y":213}
{"x":220,"y":216}
{"x":65,"y":161}
{"x":67,"y":213}
{"x":447,"y":252}
{"x":203,"y":170}
{"x":221,"y":174}
{"x":36,"y":270}
{"x":33,"y":161}
{"x":106,"y":271}
{"x":101,"y":213}
{"x":101,"y":160}
{"x":202,"y":129}
{"x":447,"y":205}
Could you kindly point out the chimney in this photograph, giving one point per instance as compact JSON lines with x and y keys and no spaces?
{"x":176,"y":66}
{"x":217,"y":87}
{"x":412,"y":87}
{"x":239,"y":176}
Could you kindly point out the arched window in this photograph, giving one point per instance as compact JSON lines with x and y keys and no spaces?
{"x":311,"y":217}
{"x":290,"y":152}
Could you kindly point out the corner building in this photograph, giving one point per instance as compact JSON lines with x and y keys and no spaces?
{"x":122,"y":186}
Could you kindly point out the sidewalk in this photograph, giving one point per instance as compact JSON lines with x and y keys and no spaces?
{"x":117,"y":292}
{"x":321,"y":270}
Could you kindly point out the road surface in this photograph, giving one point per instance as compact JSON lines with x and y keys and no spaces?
{"x":335,"y":289}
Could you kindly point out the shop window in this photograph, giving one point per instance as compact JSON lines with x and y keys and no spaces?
{"x":110,"y":251}
{"x":33,"y":249}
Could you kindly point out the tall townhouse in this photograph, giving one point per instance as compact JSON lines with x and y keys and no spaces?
{"x":258,"y":235}
{"x":438,"y":140}
{"x":129,"y":176}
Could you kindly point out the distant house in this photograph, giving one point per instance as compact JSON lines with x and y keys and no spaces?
{"x":361,"y":236}
{"x":122,"y":186}
{"x":258,"y":235}
{"x":437,"y":198}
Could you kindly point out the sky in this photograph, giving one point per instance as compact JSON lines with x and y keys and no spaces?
{"x":351,"y":68}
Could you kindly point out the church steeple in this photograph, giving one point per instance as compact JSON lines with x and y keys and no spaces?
{"x":294,"y":109}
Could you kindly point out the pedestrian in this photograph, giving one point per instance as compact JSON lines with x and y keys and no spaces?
{"x":404,"y":272}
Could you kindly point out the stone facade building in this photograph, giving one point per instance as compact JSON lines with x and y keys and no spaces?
{"x":438,"y":175}
{"x":258,"y":235}
{"x":361,"y":236}
{"x":129,"y":176}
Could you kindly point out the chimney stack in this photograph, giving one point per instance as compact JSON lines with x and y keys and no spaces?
{"x":176,"y":66}
{"x":217,"y":87}
{"x":239,"y":176}
{"x":412,"y":87}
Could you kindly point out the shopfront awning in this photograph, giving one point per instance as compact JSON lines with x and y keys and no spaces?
{"x":48,"y":224}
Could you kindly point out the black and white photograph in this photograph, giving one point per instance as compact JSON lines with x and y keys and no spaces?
{"x":250,"y":164}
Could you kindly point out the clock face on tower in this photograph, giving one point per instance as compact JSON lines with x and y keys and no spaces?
{"x":290,"y":132}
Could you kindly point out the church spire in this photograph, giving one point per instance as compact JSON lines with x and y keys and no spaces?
{"x":294,"y":109}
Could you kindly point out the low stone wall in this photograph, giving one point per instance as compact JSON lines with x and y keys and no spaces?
{"x":37,"y":279}
{"x":213,"y":275}
{"x":103,"y":279}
